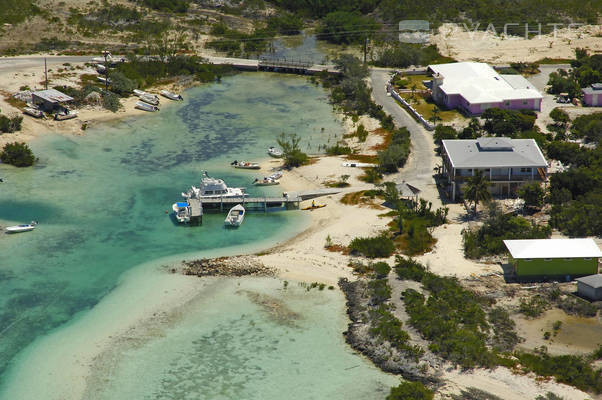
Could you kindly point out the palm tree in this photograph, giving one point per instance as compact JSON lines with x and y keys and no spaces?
{"x":477,"y":189}
{"x":435,"y":116}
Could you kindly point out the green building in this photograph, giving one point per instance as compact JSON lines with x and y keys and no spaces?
{"x":547,"y":258}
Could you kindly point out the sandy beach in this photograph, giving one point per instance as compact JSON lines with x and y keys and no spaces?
{"x":494,"y":47}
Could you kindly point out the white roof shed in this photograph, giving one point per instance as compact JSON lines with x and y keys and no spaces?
{"x":553,"y":248}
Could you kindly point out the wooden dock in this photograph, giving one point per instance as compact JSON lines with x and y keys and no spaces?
{"x":288,"y":201}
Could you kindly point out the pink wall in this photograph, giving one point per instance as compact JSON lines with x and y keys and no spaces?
{"x":588,"y":99}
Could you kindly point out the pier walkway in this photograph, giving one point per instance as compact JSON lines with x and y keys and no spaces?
{"x":288,"y":201}
{"x":275,"y":65}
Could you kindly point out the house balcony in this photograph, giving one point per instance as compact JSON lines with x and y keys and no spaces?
{"x":503,"y":178}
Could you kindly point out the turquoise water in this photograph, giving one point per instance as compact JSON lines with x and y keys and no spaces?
{"x":101,"y":200}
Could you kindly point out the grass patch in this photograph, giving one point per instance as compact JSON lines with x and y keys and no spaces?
{"x":375,"y":247}
{"x":364,"y":158}
{"x":15,"y":102}
{"x":425,"y":107}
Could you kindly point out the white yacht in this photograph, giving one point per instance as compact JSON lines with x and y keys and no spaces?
{"x":274,"y":152}
{"x":213,"y":188}
{"x":182,"y":211}
{"x":235,"y":216}
{"x":21,"y":228}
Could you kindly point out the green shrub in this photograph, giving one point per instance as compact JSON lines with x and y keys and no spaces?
{"x":10,"y":124}
{"x":572,"y":370}
{"x":120,"y":84}
{"x":503,"y":329}
{"x":410,"y":391}
{"x":375,"y":247}
{"x":532,"y":193}
{"x":110,"y":101}
{"x":293,"y":156}
{"x":533,"y":307}
{"x":380,"y":291}
{"x":338,"y":150}
{"x":381,"y":269}
{"x":386,"y":327}
{"x":409,"y":269}
{"x":18,"y":154}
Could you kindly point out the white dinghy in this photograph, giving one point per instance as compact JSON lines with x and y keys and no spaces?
{"x":235,"y":216}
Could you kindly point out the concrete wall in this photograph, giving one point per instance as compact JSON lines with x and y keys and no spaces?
{"x":586,"y":290}
{"x":574,"y":267}
{"x":423,"y":121}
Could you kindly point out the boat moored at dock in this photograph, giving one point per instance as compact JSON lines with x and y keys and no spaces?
{"x":266,"y":182}
{"x":213,"y":188}
{"x":182,"y":212}
{"x":235,"y":217}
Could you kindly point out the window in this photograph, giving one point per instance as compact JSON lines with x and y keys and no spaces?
{"x":528,"y":259}
{"x":567,"y":259}
{"x":525,"y":170}
{"x":525,"y":102}
{"x":507,"y":103}
{"x":209,"y":192}
{"x":587,"y":258}
{"x":547,"y":259}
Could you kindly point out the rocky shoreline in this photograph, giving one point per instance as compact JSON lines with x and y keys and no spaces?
{"x":227,"y":266}
{"x":381,"y":353}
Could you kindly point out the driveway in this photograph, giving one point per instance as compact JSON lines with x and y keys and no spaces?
{"x":418,"y":170}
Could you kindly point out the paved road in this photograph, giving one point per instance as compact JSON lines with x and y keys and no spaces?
{"x":418,"y":171}
{"x":16,"y":64}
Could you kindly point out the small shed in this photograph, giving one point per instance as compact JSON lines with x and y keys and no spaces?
{"x":590,"y":287}
{"x":51,"y":100}
{"x":549,"y":258}
{"x":592,"y":95}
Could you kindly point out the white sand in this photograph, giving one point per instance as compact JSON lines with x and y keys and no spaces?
{"x":453,"y":41}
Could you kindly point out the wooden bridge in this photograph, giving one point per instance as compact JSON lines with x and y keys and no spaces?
{"x":275,"y":65}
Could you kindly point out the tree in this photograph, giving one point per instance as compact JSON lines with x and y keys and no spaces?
{"x":293,"y":156}
{"x":560,"y":117}
{"x":477,"y":189}
{"x":18,"y":154}
{"x":410,"y":391}
{"x":120,"y":84}
{"x":435,"y":115}
{"x":10,"y":124}
{"x":532,"y":194}
{"x":444,"y":132}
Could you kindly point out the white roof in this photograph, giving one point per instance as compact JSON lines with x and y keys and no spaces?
{"x":479,"y":83}
{"x":494,"y":152}
{"x":553,"y":248}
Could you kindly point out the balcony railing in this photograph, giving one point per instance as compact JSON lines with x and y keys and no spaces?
{"x":503,"y":178}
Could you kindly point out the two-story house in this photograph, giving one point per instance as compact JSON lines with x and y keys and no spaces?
{"x":507,"y":163}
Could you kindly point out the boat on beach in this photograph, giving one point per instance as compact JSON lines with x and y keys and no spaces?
{"x":150,"y":98}
{"x":235,"y":216}
{"x":171,"y":95}
{"x":212,"y":188}
{"x":276,"y":175}
{"x":245,"y":165}
{"x":65,"y":115}
{"x":266,"y":182}
{"x":21,"y":228}
{"x":274,"y":152}
{"x":140,"y":105}
{"x":182,"y":211}
{"x":34,"y":112}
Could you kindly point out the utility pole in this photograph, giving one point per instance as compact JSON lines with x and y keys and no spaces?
{"x":106,"y":73}
{"x":45,"y":74}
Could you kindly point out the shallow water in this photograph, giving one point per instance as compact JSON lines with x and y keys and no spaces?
{"x":249,"y":340}
{"x":101,"y":198}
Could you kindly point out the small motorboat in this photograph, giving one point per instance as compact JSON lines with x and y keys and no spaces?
{"x":182,"y":211}
{"x":21,"y":228}
{"x":171,"y":95}
{"x":140,"y":105}
{"x":150,"y":98}
{"x":103,"y":80}
{"x":235,"y":216}
{"x":101,"y":69}
{"x":65,"y":115}
{"x":276,"y":175}
{"x":34,"y":112}
{"x":138,"y":92}
{"x":245,"y":165}
{"x":266,"y":182}
{"x":274,"y":152}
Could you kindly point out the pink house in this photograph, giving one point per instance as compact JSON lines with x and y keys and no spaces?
{"x":592,"y":96}
{"x":475,"y":87}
